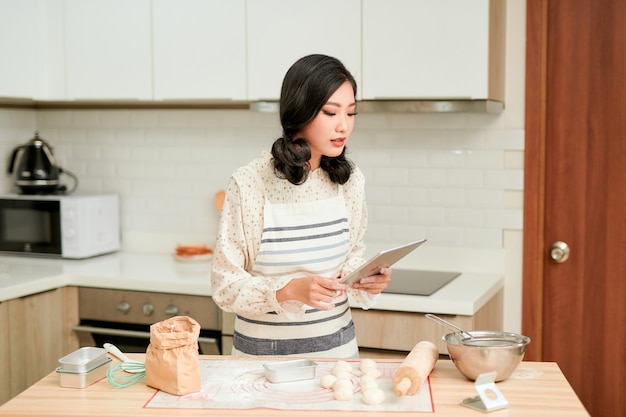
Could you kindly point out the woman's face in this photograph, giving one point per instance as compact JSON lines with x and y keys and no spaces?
{"x":329,"y":131}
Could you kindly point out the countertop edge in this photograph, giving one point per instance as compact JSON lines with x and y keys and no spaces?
{"x":464,"y":296}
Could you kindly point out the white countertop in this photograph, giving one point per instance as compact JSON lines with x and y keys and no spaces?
{"x":23,"y":276}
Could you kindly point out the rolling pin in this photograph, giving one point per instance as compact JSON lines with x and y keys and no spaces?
{"x":415,"y":368}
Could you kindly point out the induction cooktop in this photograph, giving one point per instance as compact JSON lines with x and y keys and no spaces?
{"x":418,"y":282}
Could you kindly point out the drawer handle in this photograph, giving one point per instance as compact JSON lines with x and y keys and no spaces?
{"x":111,"y":332}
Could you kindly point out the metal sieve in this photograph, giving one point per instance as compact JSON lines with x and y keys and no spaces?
{"x":497,"y":339}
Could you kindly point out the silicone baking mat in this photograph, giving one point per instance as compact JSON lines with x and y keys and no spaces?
{"x":240,"y":384}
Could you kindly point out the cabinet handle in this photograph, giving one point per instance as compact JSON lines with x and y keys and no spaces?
{"x":111,"y":332}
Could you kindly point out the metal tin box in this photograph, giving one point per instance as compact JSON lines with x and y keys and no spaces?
{"x":83,"y":360}
{"x":69,"y":379}
{"x":288,"y":371}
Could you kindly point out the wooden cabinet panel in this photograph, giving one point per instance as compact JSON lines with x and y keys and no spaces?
{"x":398,"y":330}
{"x":38,"y":331}
{"x":5,"y":357}
{"x":228,"y":328}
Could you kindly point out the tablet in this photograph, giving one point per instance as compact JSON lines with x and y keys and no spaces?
{"x":384,"y":258}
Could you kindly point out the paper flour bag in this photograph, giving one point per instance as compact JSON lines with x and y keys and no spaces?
{"x":172,"y":358}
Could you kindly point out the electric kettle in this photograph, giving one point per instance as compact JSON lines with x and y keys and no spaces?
{"x":36,"y":171}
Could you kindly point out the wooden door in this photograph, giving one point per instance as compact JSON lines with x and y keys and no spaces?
{"x":575,"y":191}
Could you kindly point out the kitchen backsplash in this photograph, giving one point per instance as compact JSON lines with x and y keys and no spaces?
{"x":455,"y":178}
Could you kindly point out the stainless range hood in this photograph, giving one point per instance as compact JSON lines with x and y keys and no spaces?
{"x":408,"y":106}
{"x":364,"y":106}
{"x":430,"y":106}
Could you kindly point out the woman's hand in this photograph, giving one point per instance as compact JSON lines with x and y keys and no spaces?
{"x":374,"y":284}
{"x":316,"y":291}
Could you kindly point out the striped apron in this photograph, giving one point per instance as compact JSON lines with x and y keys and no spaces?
{"x":298,"y":240}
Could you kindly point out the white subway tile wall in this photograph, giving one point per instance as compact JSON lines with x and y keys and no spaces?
{"x":456,"y":179}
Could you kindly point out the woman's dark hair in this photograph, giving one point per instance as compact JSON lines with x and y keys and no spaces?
{"x":307,"y":86}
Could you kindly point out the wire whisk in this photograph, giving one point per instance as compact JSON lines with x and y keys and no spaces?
{"x":125,"y":374}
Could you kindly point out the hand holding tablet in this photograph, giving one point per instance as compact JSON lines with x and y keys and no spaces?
{"x":384,"y":258}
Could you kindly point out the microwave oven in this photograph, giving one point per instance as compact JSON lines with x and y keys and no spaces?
{"x":60,"y":226}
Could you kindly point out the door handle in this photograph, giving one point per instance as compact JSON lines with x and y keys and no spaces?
{"x":559,"y":252}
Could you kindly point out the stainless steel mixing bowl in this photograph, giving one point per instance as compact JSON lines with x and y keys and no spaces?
{"x":486,"y":351}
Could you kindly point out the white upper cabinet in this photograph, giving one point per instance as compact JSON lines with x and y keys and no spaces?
{"x":50,"y":51}
{"x":18,"y":48}
{"x":240,"y":50}
{"x":31,"y":47}
{"x":423,"y":49}
{"x":199,"y":49}
{"x":282,"y":31}
{"x":108,"y":49}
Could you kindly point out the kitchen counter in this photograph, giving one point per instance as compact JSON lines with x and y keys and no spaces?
{"x":23,"y":276}
{"x":538,"y":388}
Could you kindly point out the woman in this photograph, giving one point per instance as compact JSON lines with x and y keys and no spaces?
{"x":293,"y":223}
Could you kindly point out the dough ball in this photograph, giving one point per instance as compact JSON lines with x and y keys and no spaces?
{"x":342,"y":366}
{"x":368,"y":364}
{"x":373,"y":372}
{"x":342,"y":384}
{"x":368,"y":384}
{"x":368,"y":381}
{"x":343,"y":374}
{"x":373,"y":396}
{"x":328,"y":380}
{"x":343,"y":394}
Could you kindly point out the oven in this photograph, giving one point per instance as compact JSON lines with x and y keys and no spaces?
{"x":123,"y":318}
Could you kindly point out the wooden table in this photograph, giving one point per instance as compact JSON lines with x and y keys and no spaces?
{"x":545,"y":392}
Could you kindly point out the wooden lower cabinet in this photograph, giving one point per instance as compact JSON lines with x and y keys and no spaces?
{"x":5,"y":357}
{"x":384,"y":333}
{"x":37,"y":331}
{"x":401,"y":331}
{"x":228,"y":328}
